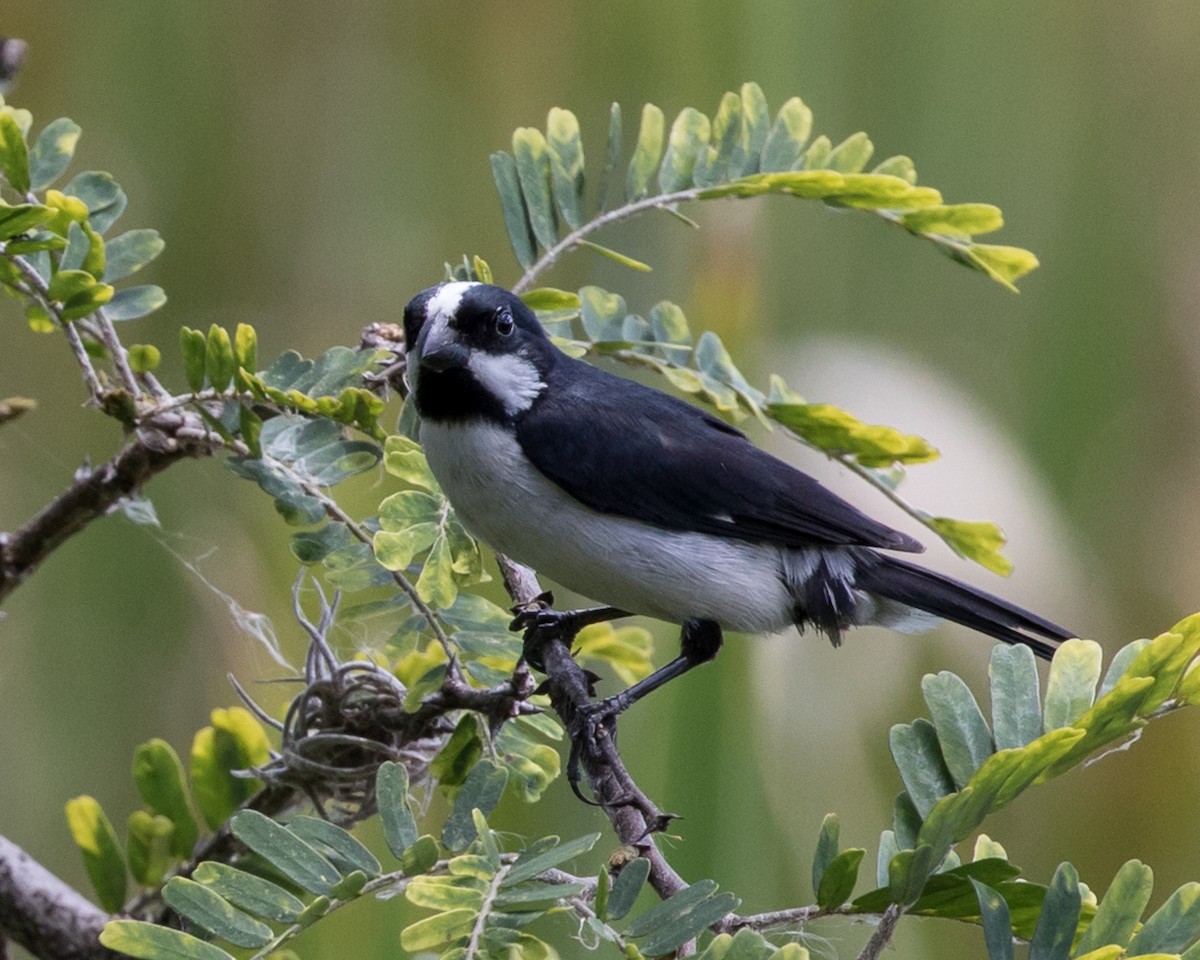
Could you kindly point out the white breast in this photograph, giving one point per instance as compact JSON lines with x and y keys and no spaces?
{"x":670,"y":575}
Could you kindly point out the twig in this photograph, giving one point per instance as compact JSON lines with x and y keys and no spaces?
{"x":579,"y":237}
{"x":335,"y":512}
{"x":485,"y":909}
{"x":45,"y":915}
{"x":883,"y":932}
{"x":93,"y":494}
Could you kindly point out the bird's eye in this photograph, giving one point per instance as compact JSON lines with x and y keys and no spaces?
{"x":504,"y":322}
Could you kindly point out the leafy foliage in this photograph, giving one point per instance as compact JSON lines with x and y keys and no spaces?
{"x":163,"y":834}
{"x":739,"y":152}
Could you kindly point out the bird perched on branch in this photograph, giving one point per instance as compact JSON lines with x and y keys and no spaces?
{"x":648,"y":504}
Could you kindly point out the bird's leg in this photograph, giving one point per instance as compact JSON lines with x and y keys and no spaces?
{"x":699,"y":642}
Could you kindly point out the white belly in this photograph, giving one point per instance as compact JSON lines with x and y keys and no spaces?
{"x":670,"y":575}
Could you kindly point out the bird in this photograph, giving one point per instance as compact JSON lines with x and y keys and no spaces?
{"x":651,"y":505}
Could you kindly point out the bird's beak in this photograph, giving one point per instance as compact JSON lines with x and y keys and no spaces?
{"x":439,"y":348}
{"x":444,"y":357}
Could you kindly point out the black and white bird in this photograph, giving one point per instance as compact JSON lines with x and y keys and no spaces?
{"x":646,"y":503}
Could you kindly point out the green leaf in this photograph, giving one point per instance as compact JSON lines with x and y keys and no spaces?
{"x":533,"y":172}
{"x":403,"y":458}
{"x":104,"y":198}
{"x":615,"y":256}
{"x":436,"y":584}
{"x":888,"y":848}
{"x":52,"y":152}
{"x":93,"y":833}
{"x":566,"y":164}
{"x":1016,"y":706}
{"x":159,"y":776}
{"x":827,"y":848}
{"x":612,"y":156}
{"x":1005,"y":265}
{"x":252,"y":894}
{"x":219,"y":361}
{"x":527,"y":867}
{"x":956,"y":220}
{"x":87,"y":301}
{"x":335,"y":844}
{"x":646,"y":153}
{"x":838,"y":880}
{"x":235,"y":741}
{"x":689,"y":137}
{"x":682,"y":917}
{"x":16,"y":220}
{"x":834,"y":431}
{"x":918,"y":757}
{"x":1059,"y":917}
{"x":149,"y":941}
{"x":713,"y":166}
{"x":1074,"y":673}
{"x":193,"y":345}
{"x":14,"y":154}
{"x":1173,"y":927}
{"x":446,"y":893}
{"x":753,"y":130}
{"x":516,"y":219}
{"x":339,"y":461}
{"x":438,"y":932}
{"x":131,"y":251}
{"x":149,"y":850}
{"x":901,"y":167}
{"x":481,"y":791}
{"x":1119,"y":912}
{"x":851,"y":155}
{"x":997,"y":928}
{"x":209,"y":911}
{"x":144,"y":357}
{"x":976,"y":540}
{"x":391,"y":795}
{"x":907,"y":873}
{"x":602,"y":314}
{"x":627,"y":886}
{"x":664,"y":912}
{"x":785,"y":142}
{"x":294,"y":858}
{"x":962,"y":732}
{"x":421,"y":856}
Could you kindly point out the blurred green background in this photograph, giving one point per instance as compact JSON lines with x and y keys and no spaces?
{"x":312,"y":165}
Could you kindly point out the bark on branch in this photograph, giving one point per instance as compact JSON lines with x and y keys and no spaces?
{"x":45,"y":915}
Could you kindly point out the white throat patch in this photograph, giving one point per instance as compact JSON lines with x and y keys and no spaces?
{"x":509,"y":377}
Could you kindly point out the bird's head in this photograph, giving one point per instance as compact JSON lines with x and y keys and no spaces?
{"x":475,"y":350}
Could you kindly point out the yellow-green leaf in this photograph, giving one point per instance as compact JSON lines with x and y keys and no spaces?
{"x":566,"y":164}
{"x":836,"y":431}
{"x":977,"y":540}
{"x":646,"y":154}
{"x":1005,"y":265}
{"x":235,"y":741}
{"x":93,"y":833}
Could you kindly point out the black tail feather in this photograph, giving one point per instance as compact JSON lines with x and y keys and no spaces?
{"x":948,"y":598}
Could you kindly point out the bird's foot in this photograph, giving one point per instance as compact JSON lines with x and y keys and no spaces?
{"x":542,"y":624}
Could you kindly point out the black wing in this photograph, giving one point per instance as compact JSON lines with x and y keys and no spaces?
{"x":623,"y":448}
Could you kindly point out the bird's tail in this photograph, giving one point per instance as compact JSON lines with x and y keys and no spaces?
{"x":949,"y":599}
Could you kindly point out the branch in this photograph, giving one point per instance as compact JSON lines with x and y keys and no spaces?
{"x":93,"y":494}
{"x":43,"y":914}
